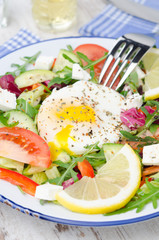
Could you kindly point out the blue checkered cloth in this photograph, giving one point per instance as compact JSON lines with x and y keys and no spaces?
{"x":113,"y":23}
{"x":22,"y":38}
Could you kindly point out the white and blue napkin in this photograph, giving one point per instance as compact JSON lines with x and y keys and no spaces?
{"x":22,"y":38}
{"x":112,"y":22}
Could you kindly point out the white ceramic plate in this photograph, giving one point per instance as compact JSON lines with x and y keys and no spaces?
{"x":11,"y":195}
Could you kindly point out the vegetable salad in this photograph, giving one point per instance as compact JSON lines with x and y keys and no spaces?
{"x":28,"y":156}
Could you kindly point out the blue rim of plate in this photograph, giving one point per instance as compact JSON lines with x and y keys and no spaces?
{"x":67,"y":221}
{"x":54,"y":39}
{"x":75,"y":222}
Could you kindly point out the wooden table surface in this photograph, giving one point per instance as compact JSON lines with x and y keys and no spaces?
{"x":15,"y":225}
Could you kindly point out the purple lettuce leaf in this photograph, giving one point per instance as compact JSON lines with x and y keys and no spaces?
{"x":7,"y":82}
{"x":132,"y":118}
{"x":70,"y":181}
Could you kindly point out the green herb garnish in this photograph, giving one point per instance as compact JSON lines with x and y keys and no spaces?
{"x":4,"y":120}
{"x":22,"y":68}
{"x":24,"y":106}
{"x":141,"y":199}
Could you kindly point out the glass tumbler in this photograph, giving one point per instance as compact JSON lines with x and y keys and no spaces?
{"x":3,"y":13}
{"x":56,"y":15}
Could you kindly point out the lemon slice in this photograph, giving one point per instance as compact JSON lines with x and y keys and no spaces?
{"x":112,"y":188}
{"x":151,"y":63}
{"x":149,"y":58}
{"x":152,"y":84}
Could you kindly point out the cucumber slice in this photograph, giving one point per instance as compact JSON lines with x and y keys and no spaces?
{"x":31,"y":77}
{"x":61,"y":62}
{"x":24,"y":120}
{"x":39,"y":177}
{"x":33,"y":96}
{"x":52,"y":173}
{"x":11,"y":164}
{"x":64,"y":157}
{"x":110,"y":149}
{"x":30,"y":170}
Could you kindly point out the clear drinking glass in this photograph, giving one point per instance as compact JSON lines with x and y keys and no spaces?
{"x":3,"y":13}
{"x":57,"y":15}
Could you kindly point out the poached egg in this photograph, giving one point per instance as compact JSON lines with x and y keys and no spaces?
{"x":79,"y":115}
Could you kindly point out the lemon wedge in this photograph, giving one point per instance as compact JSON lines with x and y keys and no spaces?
{"x":112,"y":188}
{"x":149,"y":58}
{"x":151,"y":64}
{"x":152,"y":82}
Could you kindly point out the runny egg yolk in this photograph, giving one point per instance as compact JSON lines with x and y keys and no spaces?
{"x":61,"y":142}
{"x":74,"y":114}
{"x":77,"y":114}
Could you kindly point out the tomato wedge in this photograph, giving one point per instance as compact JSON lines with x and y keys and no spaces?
{"x":26,"y":184}
{"x":85,"y":169}
{"x":24,"y":146}
{"x":94,"y":52}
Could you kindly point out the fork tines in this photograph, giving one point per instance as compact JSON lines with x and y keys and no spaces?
{"x":124,"y":57}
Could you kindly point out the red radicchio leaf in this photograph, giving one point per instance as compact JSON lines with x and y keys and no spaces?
{"x":56,"y":85}
{"x":149,"y":109}
{"x":132,"y":118}
{"x":7,"y":82}
{"x":70,"y":181}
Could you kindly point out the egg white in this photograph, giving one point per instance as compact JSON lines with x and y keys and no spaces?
{"x":79,"y":115}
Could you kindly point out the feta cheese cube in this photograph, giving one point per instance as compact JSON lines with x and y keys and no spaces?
{"x":151,"y":155}
{"x":44,"y":62}
{"x":47,"y":191}
{"x":79,"y":74}
{"x":7,"y":100}
{"x":133,"y":101}
{"x":140,"y":73}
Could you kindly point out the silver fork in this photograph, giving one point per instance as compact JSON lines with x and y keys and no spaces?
{"x":126,"y":54}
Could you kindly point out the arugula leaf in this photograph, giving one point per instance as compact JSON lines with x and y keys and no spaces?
{"x":133,"y":82}
{"x":22,"y":68}
{"x":96,"y":159}
{"x":153,"y":103}
{"x":153,"y":128}
{"x":95,"y":62}
{"x":150,"y":119}
{"x":124,"y":93}
{"x":54,"y":180}
{"x":141,"y":199}
{"x":69,"y":47}
{"x":93,"y":153}
{"x":24,"y":106}
{"x":84,"y":57}
{"x":68,"y":58}
{"x":141,"y":65}
{"x":74,"y":175}
{"x":46,"y":89}
{"x":58,"y":80}
{"x":134,"y":138}
{"x":4,"y":120}
{"x":91,"y":63}
{"x":69,"y":169}
{"x":61,"y":164}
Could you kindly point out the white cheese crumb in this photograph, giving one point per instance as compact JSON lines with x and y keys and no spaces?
{"x":47,"y":191}
{"x":134,"y":101}
{"x":44,"y":62}
{"x":140,"y":73}
{"x":151,"y":155}
{"x":79,"y":74}
{"x":7,"y":100}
